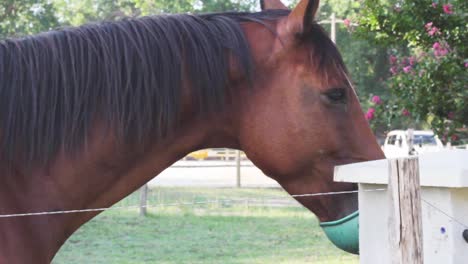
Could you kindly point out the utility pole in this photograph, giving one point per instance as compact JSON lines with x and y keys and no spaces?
{"x":333,"y":21}
{"x":333,"y":27}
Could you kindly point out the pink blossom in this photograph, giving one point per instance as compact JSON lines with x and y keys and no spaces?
{"x":412,"y":60}
{"x":441,"y":52}
{"x":404,"y":61}
{"x":370,"y":114}
{"x":394,"y":70}
{"x":440,"y":49}
{"x":428,"y":25}
{"x":393,"y":59}
{"x":451,"y":115}
{"x":407,"y":69}
{"x":447,"y":9}
{"x":347,"y":22}
{"x":433,"y":31}
{"x":466,"y":64}
{"x":405,"y":112}
{"x":376,"y":99}
{"x":434,"y":5}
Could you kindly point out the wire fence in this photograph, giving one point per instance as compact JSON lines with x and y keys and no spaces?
{"x":214,"y":225}
{"x":209,"y":225}
{"x":205,"y":225}
{"x":257,"y":225}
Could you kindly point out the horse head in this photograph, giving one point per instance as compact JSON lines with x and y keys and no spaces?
{"x":303,"y":116}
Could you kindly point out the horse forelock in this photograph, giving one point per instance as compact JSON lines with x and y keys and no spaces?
{"x":324,"y":55}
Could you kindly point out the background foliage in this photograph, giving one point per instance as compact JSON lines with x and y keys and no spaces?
{"x":427,"y":55}
{"x":19,"y":17}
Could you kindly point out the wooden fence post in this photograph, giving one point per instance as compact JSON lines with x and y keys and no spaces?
{"x":143,"y":199}
{"x":238,"y":168}
{"x":405,"y":217}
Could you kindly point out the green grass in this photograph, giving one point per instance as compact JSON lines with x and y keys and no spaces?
{"x":219,"y":232}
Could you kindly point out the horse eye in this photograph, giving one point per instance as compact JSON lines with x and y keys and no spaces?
{"x":336,"y":95}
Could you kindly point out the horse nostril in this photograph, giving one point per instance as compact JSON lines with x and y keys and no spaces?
{"x":465,"y":235}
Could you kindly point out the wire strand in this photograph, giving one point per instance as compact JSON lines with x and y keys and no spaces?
{"x":335,"y":193}
{"x":444,"y":213}
{"x":170,"y":204}
{"x":110,"y":208}
{"x":212,"y":201}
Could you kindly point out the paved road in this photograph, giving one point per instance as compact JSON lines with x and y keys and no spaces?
{"x":211,"y":174}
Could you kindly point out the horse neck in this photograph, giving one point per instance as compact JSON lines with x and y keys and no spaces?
{"x":99,"y":177}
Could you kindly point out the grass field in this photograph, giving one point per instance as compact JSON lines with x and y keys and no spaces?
{"x":269,"y":228}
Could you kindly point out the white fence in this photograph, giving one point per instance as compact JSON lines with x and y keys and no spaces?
{"x":423,"y":216}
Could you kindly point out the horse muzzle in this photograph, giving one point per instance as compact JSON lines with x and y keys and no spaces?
{"x":344,"y":233}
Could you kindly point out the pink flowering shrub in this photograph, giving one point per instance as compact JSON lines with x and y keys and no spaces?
{"x":431,"y":88}
{"x":428,"y":64}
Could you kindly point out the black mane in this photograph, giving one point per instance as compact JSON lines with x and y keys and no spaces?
{"x":127,"y":74}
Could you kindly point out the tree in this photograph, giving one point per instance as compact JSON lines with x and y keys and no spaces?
{"x":80,"y":12}
{"x":427,"y":59}
{"x":22,"y":17}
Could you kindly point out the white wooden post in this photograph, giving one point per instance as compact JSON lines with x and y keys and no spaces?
{"x":405,"y":215}
{"x":143,"y":199}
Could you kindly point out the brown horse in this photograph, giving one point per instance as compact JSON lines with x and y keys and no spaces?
{"x":89,"y":114}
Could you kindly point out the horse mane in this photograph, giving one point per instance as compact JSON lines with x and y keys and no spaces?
{"x":127,"y":74}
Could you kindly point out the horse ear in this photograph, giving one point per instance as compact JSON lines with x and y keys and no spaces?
{"x":272,"y":4}
{"x":302,"y":16}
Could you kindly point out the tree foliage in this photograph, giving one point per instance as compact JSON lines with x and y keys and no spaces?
{"x":427,"y":59}
{"x":24,"y":17}
{"x":80,"y":12}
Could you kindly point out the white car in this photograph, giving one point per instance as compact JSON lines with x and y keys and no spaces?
{"x":399,"y":143}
